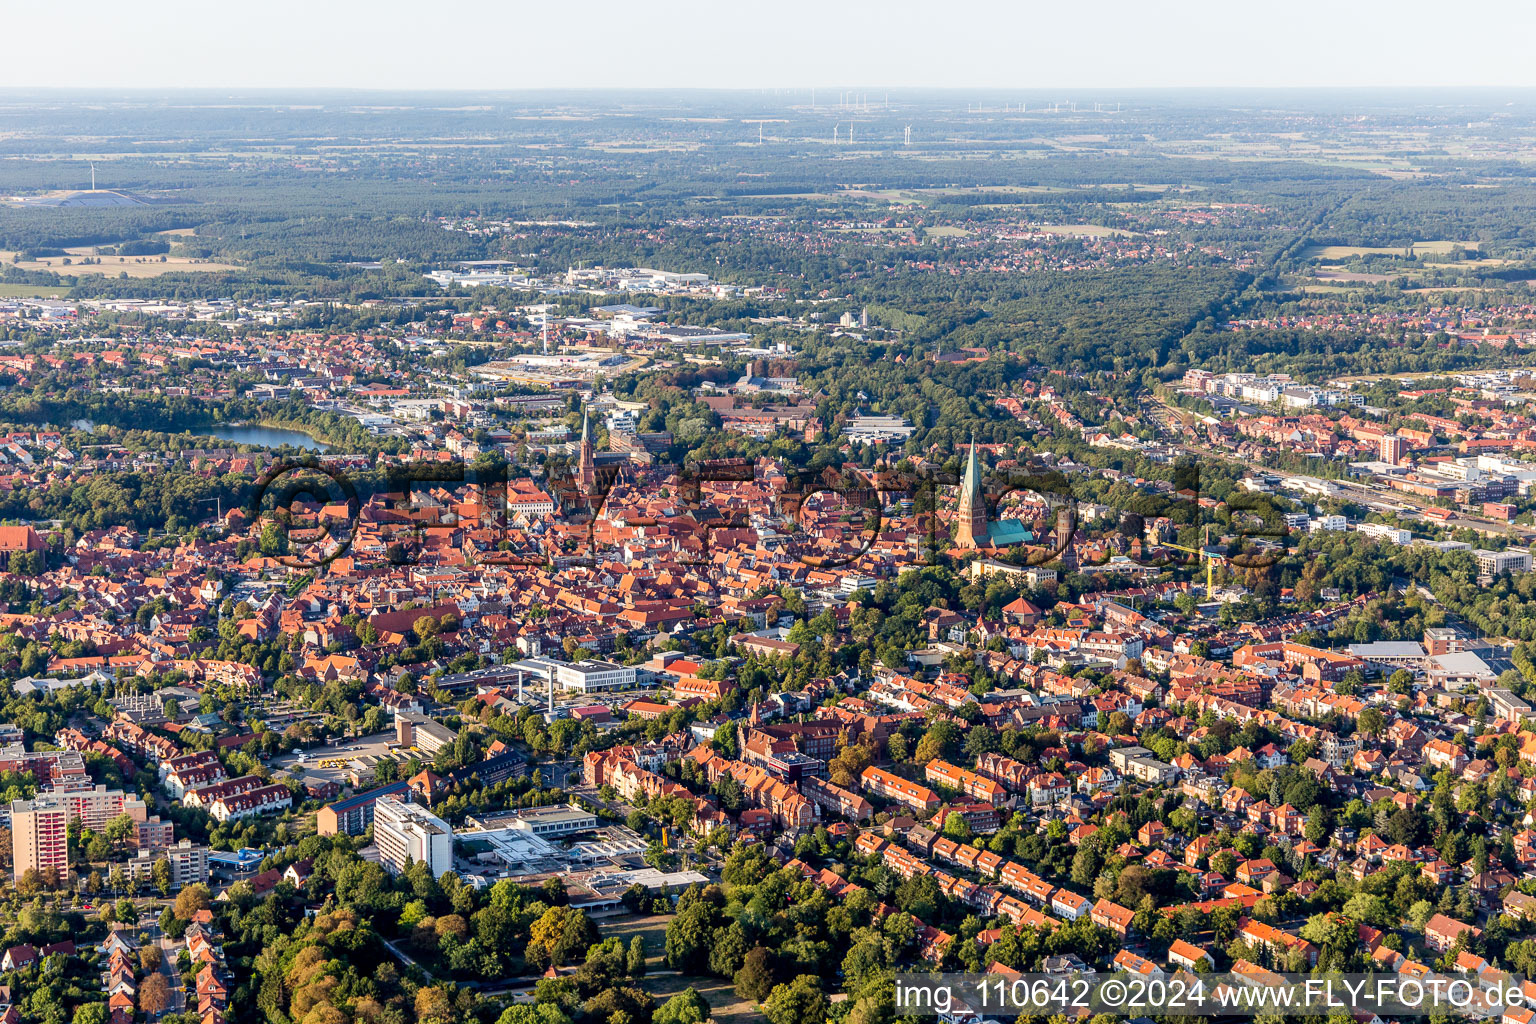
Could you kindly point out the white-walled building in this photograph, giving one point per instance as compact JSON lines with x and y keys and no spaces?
{"x":405,"y":832}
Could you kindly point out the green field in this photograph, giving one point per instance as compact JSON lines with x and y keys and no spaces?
{"x":653,"y":927}
{"x":1083,"y":230}
{"x":1342,"y":252}
{"x":32,"y":291}
{"x":725,"y":1006}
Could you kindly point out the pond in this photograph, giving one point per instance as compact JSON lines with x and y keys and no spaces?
{"x":267,"y":437}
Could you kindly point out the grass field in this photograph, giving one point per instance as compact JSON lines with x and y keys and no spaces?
{"x":652,"y":926}
{"x":1333,"y":274}
{"x":133,"y":266}
{"x":32,"y":291}
{"x":725,"y":1006}
{"x":1343,"y":252}
{"x":1083,"y":230}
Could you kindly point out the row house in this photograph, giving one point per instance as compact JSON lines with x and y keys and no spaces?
{"x":963,"y":855}
{"x":1013,"y":775}
{"x":972,"y":784}
{"x":981,"y":819}
{"x":1110,"y":915}
{"x":892,"y":787}
{"x":1070,"y":905}
{"x":191,"y":771}
{"x":1276,"y":942}
{"x":781,"y":799}
{"x":835,"y":799}
{"x":74,"y":739}
{"x":204,"y":796}
{"x":1314,"y":664}
{"x":1049,"y":788}
{"x":138,"y":740}
{"x":263,"y":800}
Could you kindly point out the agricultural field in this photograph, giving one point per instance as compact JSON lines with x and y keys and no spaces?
{"x":114,"y":266}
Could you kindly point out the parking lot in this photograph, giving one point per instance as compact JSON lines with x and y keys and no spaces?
{"x":332,"y":763}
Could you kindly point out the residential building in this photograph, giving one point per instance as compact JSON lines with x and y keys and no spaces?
{"x":40,"y":837}
{"x":406,"y":833}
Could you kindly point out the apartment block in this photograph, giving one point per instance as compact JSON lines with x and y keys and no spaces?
{"x":40,"y":837}
{"x":405,"y":832}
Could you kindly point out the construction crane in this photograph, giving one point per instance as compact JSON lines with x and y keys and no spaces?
{"x":1200,"y":553}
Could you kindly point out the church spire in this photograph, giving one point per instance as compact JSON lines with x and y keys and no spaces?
{"x":972,"y":520}
{"x":971,"y":485}
{"x":586,"y":466}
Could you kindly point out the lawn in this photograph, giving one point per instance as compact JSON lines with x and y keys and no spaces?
{"x":653,"y":927}
{"x":725,"y":1006}
{"x":33,"y":291}
{"x":1083,"y":230}
{"x":133,"y":266}
{"x":1343,"y":252}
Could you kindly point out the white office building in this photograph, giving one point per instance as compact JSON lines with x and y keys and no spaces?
{"x":1492,"y":563}
{"x":406,"y":832}
{"x":1381,"y":531}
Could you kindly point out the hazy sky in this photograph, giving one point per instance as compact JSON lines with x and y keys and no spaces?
{"x":983,"y":44}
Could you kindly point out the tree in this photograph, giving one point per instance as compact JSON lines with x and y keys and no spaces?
{"x":938,"y":741}
{"x":800,"y":1002}
{"x":150,"y":959}
{"x":558,"y":935}
{"x":533,"y":1013}
{"x":1316,"y":827}
{"x":687,"y":1007}
{"x":161,"y":872}
{"x":274,"y":541}
{"x":31,"y":882}
{"x":119,"y":830}
{"x":191,"y":899}
{"x":845,"y":769}
{"x":955,"y":827}
{"x":635,"y":963}
{"x":154,"y":994}
{"x":688,"y":937}
{"x":1086,"y":864}
{"x":1368,"y":909}
{"x":755,"y":979}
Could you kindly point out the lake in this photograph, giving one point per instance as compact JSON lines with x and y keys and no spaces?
{"x":267,"y":437}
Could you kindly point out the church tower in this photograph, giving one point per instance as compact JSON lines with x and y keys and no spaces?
{"x":586,"y":466}
{"x":972,"y":520}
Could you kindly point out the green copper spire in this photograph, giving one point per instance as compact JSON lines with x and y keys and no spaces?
{"x":970,"y":484}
